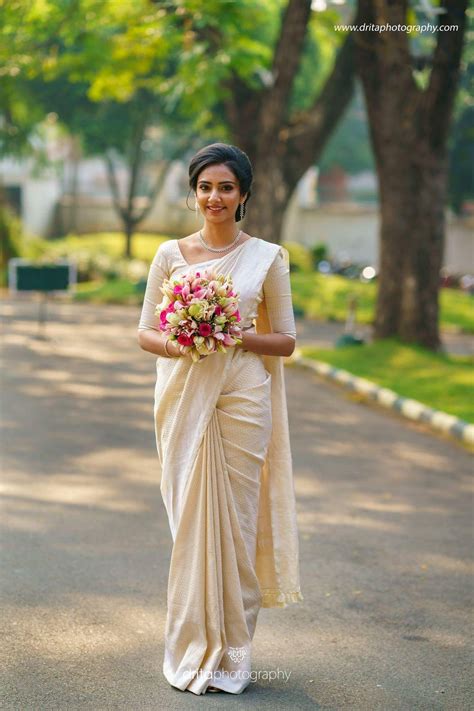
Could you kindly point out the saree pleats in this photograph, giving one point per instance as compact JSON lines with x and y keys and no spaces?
{"x":213,"y":590}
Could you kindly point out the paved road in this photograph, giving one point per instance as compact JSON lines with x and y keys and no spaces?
{"x":385,"y":522}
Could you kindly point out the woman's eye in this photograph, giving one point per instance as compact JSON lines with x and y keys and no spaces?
{"x":226,"y":188}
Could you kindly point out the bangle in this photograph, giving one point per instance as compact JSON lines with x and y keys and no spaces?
{"x":166,"y":349}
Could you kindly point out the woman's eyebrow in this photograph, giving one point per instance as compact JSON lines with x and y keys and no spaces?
{"x":221,"y":182}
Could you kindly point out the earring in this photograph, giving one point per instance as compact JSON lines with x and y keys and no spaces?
{"x":241,"y":214}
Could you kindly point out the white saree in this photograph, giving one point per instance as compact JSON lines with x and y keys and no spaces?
{"x":223,"y":446}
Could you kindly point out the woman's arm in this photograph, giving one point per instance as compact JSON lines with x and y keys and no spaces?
{"x":154,"y":342}
{"x":266,"y":344}
{"x":149,"y":337}
{"x":277,"y":344}
{"x":277,"y":294}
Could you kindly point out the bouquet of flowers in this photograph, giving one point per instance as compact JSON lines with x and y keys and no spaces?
{"x":200,"y":312}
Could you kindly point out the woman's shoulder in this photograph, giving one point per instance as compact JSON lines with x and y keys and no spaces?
{"x":187,"y":238}
{"x":271,"y":247}
{"x":166,"y":248}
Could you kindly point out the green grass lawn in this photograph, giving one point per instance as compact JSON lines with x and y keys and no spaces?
{"x":144,"y":246}
{"x":118,"y":291}
{"x":443,"y":382}
{"x":324,"y":296}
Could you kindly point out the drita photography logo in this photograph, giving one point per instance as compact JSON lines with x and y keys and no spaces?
{"x":237,"y":654}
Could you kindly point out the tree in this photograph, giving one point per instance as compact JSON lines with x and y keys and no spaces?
{"x":135,"y":133}
{"x":253,"y":72}
{"x":409,"y":125}
{"x":282,"y":137}
{"x":71,"y":71}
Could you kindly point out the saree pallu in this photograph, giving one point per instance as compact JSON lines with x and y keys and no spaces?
{"x":226,"y":480}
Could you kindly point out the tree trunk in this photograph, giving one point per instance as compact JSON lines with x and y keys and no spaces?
{"x":282,"y":148}
{"x":76,"y":156}
{"x":419,"y":314}
{"x":129,"y":229}
{"x":409,"y":129}
{"x":412,"y":196}
{"x":270,"y":196}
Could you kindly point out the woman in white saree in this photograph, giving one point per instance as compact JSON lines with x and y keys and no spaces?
{"x":223,"y":444}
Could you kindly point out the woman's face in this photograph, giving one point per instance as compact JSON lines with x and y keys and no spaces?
{"x":218,"y":193}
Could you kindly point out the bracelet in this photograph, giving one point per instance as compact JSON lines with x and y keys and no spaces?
{"x":166,"y":349}
{"x":252,"y":325}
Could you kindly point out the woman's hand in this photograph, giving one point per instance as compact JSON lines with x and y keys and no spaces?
{"x":248,"y":329}
{"x":174,"y":349}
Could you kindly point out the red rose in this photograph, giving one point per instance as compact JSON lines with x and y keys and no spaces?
{"x":205,"y":329}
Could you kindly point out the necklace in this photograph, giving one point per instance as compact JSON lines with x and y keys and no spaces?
{"x":218,"y":249}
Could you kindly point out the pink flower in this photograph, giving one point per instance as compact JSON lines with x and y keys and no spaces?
{"x":218,"y":310}
{"x":205,"y":329}
{"x":237,"y":315}
{"x":178,"y":289}
{"x":228,"y":340}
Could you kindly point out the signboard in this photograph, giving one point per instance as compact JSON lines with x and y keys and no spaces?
{"x":24,"y":275}
{"x":47,"y":279}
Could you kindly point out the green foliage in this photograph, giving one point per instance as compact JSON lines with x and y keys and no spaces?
{"x":10,"y":241}
{"x":99,"y":256}
{"x":440,"y":381}
{"x":461,"y":144}
{"x":349,"y":145}
{"x":183,"y":54}
{"x":461,"y":161}
{"x":326,"y":296}
{"x":456,"y":308}
{"x":319,"y":252}
{"x":300,"y":257}
{"x":320,"y":48}
{"x":118,"y":291}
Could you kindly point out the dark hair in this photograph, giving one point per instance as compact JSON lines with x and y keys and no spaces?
{"x":223,"y":154}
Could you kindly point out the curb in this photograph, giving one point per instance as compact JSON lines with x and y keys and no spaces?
{"x":411,"y":409}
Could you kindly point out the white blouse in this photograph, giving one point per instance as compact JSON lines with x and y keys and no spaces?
{"x":276,"y":289}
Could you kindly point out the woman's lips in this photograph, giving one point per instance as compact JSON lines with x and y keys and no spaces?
{"x":215,"y":209}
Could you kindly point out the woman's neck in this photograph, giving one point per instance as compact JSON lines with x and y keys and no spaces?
{"x":219,"y":235}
